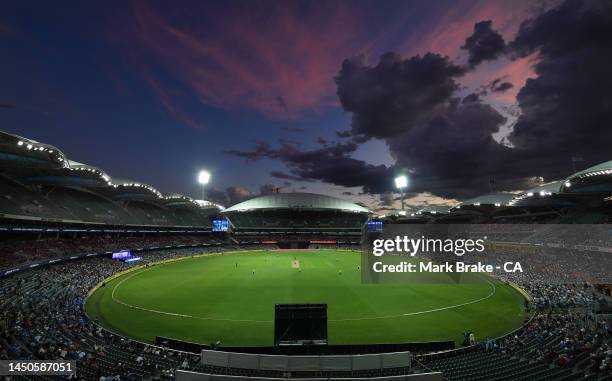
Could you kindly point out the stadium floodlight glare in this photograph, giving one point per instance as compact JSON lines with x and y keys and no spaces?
{"x":401,"y":182}
{"x":203,"y":177}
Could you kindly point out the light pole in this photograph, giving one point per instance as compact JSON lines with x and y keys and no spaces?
{"x":203,"y":179}
{"x":401,"y":182}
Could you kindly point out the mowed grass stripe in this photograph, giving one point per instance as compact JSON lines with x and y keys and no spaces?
{"x":232,"y":304}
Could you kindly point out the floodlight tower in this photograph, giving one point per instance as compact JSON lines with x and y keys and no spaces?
{"x":203,"y":179}
{"x":401,"y":182}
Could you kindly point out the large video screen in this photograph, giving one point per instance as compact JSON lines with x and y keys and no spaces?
{"x":375,"y":226}
{"x":122,"y":255}
{"x":220,"y":225}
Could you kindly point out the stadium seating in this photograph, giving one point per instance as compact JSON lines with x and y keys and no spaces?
{"x":40,"y":329}
{"x":86,"y":206}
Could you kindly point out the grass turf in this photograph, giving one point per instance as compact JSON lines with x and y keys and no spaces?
{"x":209,"y":298}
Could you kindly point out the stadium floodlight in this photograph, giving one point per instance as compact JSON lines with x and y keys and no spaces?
{"x":401,"y":182}
{"x":203,"y":179}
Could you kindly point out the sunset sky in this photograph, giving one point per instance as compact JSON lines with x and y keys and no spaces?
{"x":333,"y":97}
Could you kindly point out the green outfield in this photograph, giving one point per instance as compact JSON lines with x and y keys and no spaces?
{"x":231,"y":298}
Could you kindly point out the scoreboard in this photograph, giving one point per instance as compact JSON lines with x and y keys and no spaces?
{"x":375,"y":226}
{"x":220,"y":225}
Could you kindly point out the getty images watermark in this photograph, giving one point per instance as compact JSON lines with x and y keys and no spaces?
{"x":467,"y":253}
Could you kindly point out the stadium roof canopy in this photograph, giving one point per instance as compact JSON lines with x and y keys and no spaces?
{"x":540,"y":191}
{"x":602,"y":168}
{"x":541,"y":196}
{"x":593,"y":180}
{"x":19,"y":152}
{"x":435,"y":209}
{"x":296,"y":201}
{"x":501,"y":198}
{"x":548,"y":188}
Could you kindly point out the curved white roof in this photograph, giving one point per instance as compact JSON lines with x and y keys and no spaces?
{"x":552,"y":188}
{"x":434,"y":209}
{"x":296,"y":201}
{"x":33,"y":145}
{"x":500,"y":198}
{"x":601,"y":168}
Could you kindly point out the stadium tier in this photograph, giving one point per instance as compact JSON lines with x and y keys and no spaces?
{"x":39,"y":183}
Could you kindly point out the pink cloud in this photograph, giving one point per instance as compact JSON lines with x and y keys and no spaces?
{"x":446,"y":32}
{"x":277,"y":61}
{"x":166,"y":99}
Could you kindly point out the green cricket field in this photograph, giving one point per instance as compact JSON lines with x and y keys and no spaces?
{"x":231,"y":298}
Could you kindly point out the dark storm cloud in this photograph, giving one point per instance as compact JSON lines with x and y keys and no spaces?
{"x":343,"y":134}
{"x":238,"y":194}
{"x":498,"y":85}
{"x":331,"y":164}
{"x":217,"y":196}
{"x":292,"y":129}
{"x":8,"y":105}
{"x":571,"y":27}
{"x":501,"y":87}
{"x":567,"y":109}
{"x":262,"y":150}
{"x":322,"y":141}
{"x":484,"y":44}
{"x":453,"y":154}
{"x":286,"y":176}
{"x":266,"y":189}
{"x":471,"y":98}
{"x":235,"y":194}
{"x":396,"y":93}
{"x":361,"y":138}
{"x":444,"y":144}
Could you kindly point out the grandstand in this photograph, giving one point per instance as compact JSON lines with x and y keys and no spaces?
{"x":583,"y":197}
{"x":39,"y":183}
{"x":297,"y":217}
{"x":60,"y":222}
